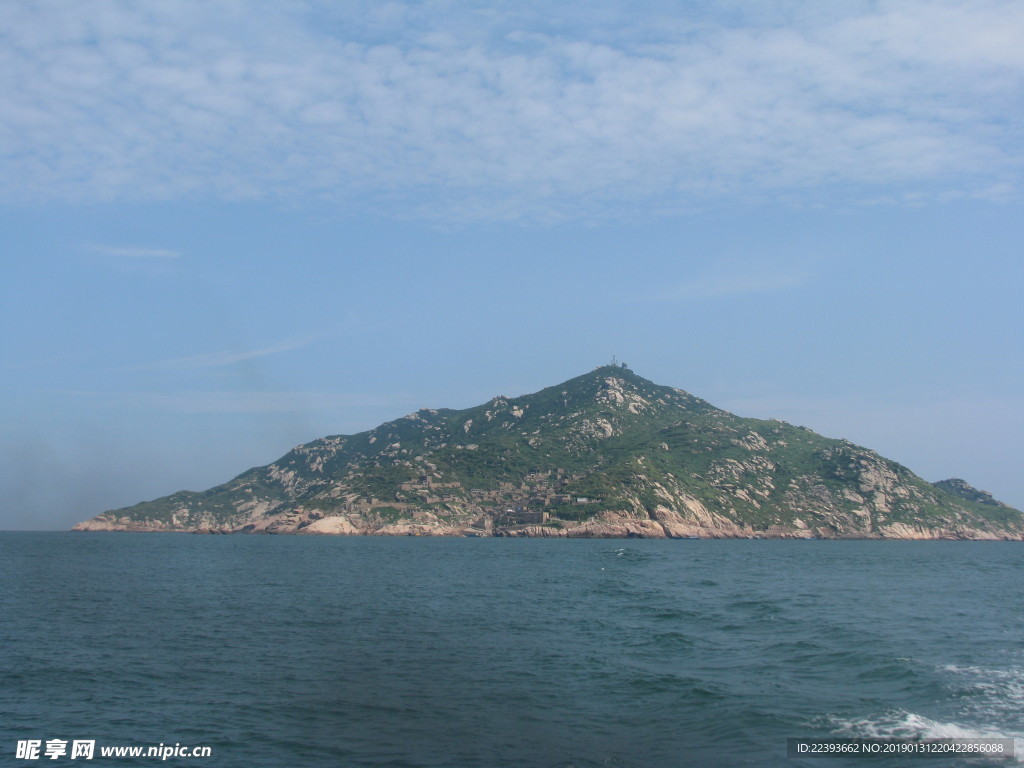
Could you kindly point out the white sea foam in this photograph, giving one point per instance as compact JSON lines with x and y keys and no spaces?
{"x":900,"y":724}
{"x":992,"y":709}
{"x":991,"y":695}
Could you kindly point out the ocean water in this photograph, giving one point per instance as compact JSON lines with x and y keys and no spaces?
{"x":290,"y":651}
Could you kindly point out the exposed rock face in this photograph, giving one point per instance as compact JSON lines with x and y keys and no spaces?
{"x":607,"y":454}
{"x":332,"y":525}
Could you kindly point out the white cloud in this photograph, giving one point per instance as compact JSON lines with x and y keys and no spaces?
{"x":244,"y":401}
{"x":735,"y":277}
{"x":136,"y":253}
{"x":220,"y":359}
{"x":224,"y":402}
{"x":455,"y":109}
{"x":735,"y":284}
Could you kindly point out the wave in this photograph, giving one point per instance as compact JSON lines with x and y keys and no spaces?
{"x":900,"y":724}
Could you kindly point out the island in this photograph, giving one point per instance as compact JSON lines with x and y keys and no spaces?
{"x":605,"y":454}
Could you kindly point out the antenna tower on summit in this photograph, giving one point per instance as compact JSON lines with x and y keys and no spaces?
{"x":615,"y":363}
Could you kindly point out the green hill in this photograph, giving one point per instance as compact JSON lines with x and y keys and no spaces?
{"x":608,"y":453}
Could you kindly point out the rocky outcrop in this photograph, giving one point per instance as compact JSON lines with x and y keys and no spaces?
{"x":112,"y":523}
{"x":968,"y":492}
{"x":696,"y":521}
{"x":332,"y":525}
{"x":592,"y":529}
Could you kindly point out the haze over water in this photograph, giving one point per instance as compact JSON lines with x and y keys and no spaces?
{"x":324,"y":651}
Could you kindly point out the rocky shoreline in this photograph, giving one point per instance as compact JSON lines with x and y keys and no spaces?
{"x":609,"y":527}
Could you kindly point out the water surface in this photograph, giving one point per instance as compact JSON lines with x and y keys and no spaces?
{"x":499,"y":653}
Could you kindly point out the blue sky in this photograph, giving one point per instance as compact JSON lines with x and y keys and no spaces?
{"x":230,"y":228}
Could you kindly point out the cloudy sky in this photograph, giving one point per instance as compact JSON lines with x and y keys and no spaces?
{"x":228,"y":227}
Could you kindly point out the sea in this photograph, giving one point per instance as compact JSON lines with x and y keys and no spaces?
{"x":310,"y":652}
